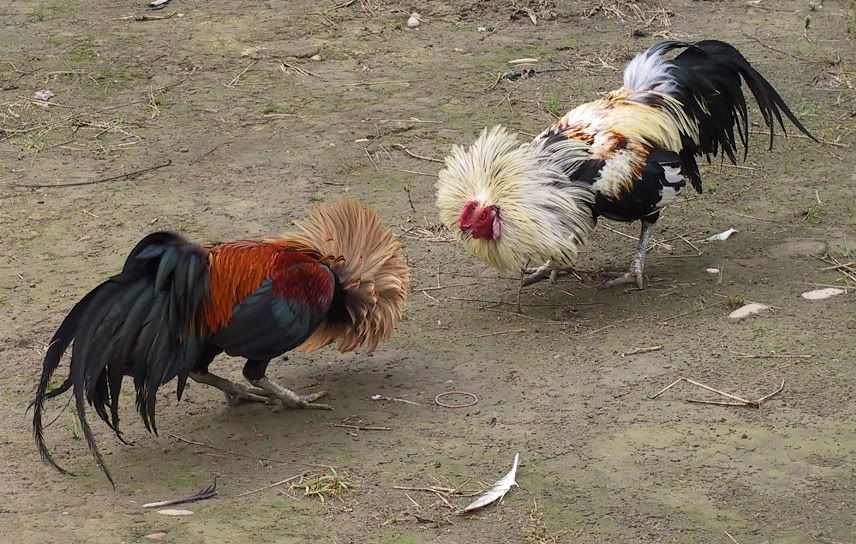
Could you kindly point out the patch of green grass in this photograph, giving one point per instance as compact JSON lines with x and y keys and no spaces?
{"x":39,"y":13}
{"x":554,"y":105}
{"x":46,"y":10}
{"x":842,"y":250}
{"x":82,"y":52}
{"x":734,"y":302}
{"x":403,"y":539}
{"x":271,"y":108}
{"x":812,"y":214}
{"x":710,"y":186}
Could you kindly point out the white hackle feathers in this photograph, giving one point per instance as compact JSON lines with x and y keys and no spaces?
{"x":649,"y":72}
{"x":366,"y":259}
{"x":543,"y":215}
{"x":497,"y":490}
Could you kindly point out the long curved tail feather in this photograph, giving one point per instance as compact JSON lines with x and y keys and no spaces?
{"x":705,"y":82}
{"x":128,"y":325}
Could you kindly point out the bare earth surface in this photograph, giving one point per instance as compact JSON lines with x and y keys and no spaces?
{"x":257,"y":132}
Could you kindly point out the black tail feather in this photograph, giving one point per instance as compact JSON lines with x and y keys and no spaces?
{"x":707,"y":79}
{"x":132,"y":324}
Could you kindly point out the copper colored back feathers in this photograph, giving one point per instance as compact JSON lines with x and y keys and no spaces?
{"x":366,"y":259}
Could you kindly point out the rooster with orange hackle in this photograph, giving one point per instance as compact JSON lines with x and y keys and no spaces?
{"x":176,"y":305}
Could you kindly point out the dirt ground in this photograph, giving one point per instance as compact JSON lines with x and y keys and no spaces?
{"x":256,"y":130}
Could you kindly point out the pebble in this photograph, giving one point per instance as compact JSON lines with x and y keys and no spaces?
{"x":414,"y":20}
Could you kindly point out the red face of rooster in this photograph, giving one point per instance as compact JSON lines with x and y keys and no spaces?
{"x":479,"y":221}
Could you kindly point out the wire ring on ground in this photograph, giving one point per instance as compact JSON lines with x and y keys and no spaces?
{"x":466,"y":394}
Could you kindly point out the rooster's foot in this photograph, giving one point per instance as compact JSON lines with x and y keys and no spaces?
{"x":290,"y":399}
{"x":623,"y":278}
{"x":548,"y":269}
{"x":239,"y":397}
{"x":235,"y":393}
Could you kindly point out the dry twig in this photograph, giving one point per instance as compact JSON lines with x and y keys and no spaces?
{"x":414,"y":155}
{"x":275,"y":484}
{"x":127,"y":175}
{"x":637,"y":351}
{"x":739,"y":400}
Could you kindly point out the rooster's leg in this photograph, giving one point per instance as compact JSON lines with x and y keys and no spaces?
{"x":254,"y":371}
{"x":235,"y":392}
{"x":638,"y":264}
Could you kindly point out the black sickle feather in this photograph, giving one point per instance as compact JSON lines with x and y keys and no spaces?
{"x":707,"y":79}
{"x":132,"y":324}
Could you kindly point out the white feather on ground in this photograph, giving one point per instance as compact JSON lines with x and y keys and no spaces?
{"x":497,"y":491}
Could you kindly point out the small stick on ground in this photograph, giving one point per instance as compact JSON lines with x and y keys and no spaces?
{"x":498,"y":333}
{"x":396,"y":399}
{"x":237,"y":78}
{"x":637,"y":351}
{"x":731,"y":537}
{"x":692,"y":311}
{"x":758,"y":218}
{"x":409,"y":199}
{"x":284,"y":65}
{"x":414,"y":155}
{"x":117,"y":177}
{"x":275,"y":484}
{"x":692,"y":245}
{"x":361,"y":427}
{"x":770,"y":356}
{"x":740,"y":401}
{"x":415,"y":172}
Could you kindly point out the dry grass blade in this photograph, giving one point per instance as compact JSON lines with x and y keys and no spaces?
{"x":275,"y":484}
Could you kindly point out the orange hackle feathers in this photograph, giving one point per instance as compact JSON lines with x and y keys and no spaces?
{"x":366,"y":259}
{"x":237,"y":269}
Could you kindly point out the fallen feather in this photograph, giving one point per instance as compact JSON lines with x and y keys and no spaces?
{"x":747,"y":310}
{"x":820,"y":294}
{"x":171,"y":512}
{"x":155,"y":536}
{"x":523,"y":61}
{"x":200,"y":495}
{"x":414,"y":20}
{"x":44,"y":95}
{"x":712,"y":270}
{"x":158,"y":4}
{"x":722,"y":236}
{"x":497,"y":491}
{"x":482,"y":29}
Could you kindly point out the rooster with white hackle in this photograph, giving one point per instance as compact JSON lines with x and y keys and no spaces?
{"x":624,"y":156}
